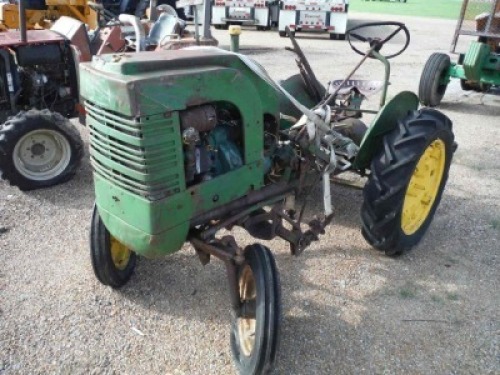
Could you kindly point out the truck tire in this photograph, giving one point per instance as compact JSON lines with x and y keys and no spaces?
{"x":39,"y":149}
{"x":406,"y":182}
{"x":432,"y":88}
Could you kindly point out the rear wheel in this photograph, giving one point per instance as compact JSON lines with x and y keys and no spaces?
{"x":282,"y":34}
{"x":113,"y":263}
{"x":334,"y":36}
{"x":352,"y":128}
{"x":255,"y":329}
{"x":434,"y":79}
{"x":407,"y":179}
{"x":39,"y":149}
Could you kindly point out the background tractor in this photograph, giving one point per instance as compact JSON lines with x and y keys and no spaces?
{"x":479,"y":68}
{"x":39,"y":146}
{"x":203,"y":140}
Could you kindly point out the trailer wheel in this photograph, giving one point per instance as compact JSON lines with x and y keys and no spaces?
{"x":434,"y":79}
{"x":282,"y":34}
{"x":406,"y":182}
{"x":256,"y":326}
{"x":39,"y":149}
{"x":113,"y":263}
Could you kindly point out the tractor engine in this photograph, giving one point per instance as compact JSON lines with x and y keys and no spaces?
{"x":212,"y":141}
{"x":38,"y":76}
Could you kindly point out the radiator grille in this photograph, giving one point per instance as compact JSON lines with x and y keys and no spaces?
{"x":141,"y":155}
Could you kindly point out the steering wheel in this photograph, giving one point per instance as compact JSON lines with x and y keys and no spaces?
{"x":378,"y":42}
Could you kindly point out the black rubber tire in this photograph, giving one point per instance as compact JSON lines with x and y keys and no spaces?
{"x":464,"y":85}
{"x":24,"y":122}
{"x":352,"y":128}
{"x":100,"y":255}
{"x":282,"y":34}
{"x":268,"y":314}
{"x":430,"y":91}
{"x":474,"y":86}
{"x":390,"y":173}
{"x":334,"y":36}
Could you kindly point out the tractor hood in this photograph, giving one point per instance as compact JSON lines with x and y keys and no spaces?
{"x":135,"y":84}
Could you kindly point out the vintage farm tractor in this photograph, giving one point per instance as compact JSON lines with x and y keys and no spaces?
{"x":187,"y":143}
{"x":479,"y":68}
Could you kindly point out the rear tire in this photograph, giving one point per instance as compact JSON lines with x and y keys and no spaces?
{"x":353,"y":128}
{"x":255,"y":336}
{"x":406,"y":182}
{"x":334,"y":36}
{"x":112,"y":262}
{"x":433,"y":81}
{"x":39,"y":149}
{"x":282,"y":34}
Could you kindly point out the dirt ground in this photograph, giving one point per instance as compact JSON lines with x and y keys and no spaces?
{"x":347,"y":308}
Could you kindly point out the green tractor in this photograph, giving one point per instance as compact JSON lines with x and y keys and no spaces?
{"x":187,"y":143}
{"x":479,"y":68}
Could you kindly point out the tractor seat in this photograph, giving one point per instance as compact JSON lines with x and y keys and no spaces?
{"x":365,"y":87}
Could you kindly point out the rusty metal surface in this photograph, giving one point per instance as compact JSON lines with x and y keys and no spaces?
{"x":202,"y":118}
{"x":13,"y":38}
{"x":76,"y":33}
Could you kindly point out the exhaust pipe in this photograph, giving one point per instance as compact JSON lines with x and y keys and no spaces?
{"x":22,"y":21}
{"x":140,"y":36}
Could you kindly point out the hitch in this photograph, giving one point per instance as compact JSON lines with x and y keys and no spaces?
{"x":316,"y":228}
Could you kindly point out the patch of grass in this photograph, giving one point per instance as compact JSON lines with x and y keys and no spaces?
{"x":495,"y":224}
{"x":436,"y":298}
{"x":407,"y":293}
{"x":448,"y":9}
{"x":452,"y":296}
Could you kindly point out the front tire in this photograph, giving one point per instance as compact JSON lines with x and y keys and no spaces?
{"x":39,"y":149}
{"x":256,"y":326}
{"x":406,"y":182}
{"x":113,"y":263}
{"x":434,"y":79}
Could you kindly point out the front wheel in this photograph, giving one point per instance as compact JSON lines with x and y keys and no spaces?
{"x":406,"y":182}
{"x":113,"y":263}
{"x":39,"y":149}
{"x":434,"y":79}
{"x":255,"y":328}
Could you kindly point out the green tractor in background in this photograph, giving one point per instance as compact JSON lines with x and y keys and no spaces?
{"x":187,"y":143}
{"x":479,"y":68}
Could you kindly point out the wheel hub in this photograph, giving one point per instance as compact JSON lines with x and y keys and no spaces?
{"x":246,"y":326}
{"x":423,"y":187}
{"x":38,"y":149}
{"x":120,"y":254}
{"x":41,"y":154}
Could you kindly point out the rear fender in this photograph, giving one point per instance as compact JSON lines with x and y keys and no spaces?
{"x":386,"y":120}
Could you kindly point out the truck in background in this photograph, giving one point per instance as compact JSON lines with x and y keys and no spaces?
{"x":314,"y":15}
{"x":260,"y":13}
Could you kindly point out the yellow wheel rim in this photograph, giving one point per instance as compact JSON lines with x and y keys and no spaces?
{"x":423,"y":187}
{"x":246,"y":326}
{"x":120,"y":254}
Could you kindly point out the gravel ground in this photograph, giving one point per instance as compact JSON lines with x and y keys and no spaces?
{"x":347,"y":308}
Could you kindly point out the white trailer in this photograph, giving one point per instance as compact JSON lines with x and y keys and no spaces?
{"x":314,"y":15}
{"x":260,"y":13}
